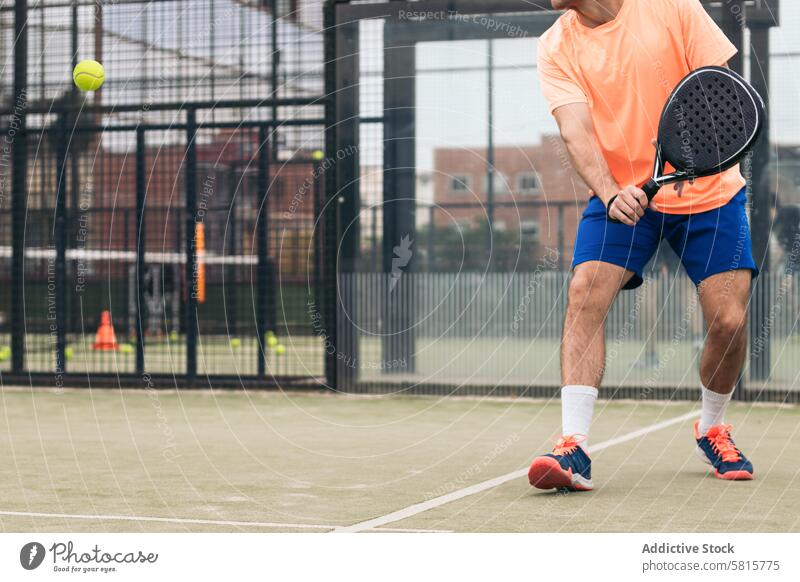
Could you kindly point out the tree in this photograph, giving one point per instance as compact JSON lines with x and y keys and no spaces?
{"x":458,"y":248}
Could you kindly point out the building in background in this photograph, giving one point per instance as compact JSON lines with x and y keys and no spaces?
{"x":785,"y":174}
{"x":536,"y":191}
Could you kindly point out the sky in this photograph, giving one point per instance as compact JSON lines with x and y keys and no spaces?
{"x":452,"y":81}
{"x":452,"y":91}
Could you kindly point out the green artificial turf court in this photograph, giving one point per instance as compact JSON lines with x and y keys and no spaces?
{"x":454,"y":361}
{"x":144,"y":460}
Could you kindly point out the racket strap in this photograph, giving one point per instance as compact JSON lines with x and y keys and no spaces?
{"x":608,"y":208}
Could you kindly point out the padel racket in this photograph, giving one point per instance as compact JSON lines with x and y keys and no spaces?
{"x":710,"y":121}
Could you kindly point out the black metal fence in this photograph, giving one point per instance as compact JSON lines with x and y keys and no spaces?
{"x":163,"y":227}
{"x":461,"y":206}
{"x":258,"y":178}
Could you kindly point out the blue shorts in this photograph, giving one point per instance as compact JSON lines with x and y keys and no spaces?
{"x":707,"y":243}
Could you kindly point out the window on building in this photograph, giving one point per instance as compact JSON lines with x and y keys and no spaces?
{"x":530,"y":229}
{"x":527,"y":183}
{"x":460,"y":184}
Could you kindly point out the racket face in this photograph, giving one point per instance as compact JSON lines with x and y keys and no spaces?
{"x":709,"y":122}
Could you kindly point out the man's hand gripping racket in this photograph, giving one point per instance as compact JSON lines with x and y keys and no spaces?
{"x":709,"y":123}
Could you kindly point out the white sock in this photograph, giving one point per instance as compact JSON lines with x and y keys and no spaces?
{"x":577,"y":408}
{"x":713,"y":410}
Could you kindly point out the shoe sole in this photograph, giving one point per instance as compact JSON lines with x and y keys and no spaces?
{"x":734,"y":475}
{"x":546,"y":473}
{"x":730,"y":475}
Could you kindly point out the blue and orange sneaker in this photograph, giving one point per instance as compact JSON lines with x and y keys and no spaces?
{"x":567,"y":467}
{"x":717,"y":449}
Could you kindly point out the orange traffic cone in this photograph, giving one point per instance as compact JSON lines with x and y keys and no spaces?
{"x":105,"y":339}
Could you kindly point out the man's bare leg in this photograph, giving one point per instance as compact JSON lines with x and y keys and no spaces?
{"x":724,"y":300}
{"x":592,"y":290}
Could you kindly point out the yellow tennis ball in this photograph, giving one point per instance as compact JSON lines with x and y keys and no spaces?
{"x":317,"y":155}
{"x":88,"y":75}
{"x":69,"y":353}
{"x":5,"y":353}
{"x":272,"y":341}
{"x":236,"y":342}
{"x":280,"y":349}
{"x":126,"y":348}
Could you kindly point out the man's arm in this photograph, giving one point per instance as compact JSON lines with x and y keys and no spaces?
{"x":575,"y":124}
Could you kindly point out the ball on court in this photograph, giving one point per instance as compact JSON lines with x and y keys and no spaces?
{"x":173,"y":335}
{"x":235,"y":342}
{"x":69,"y":353}
{"x":88,"y":75}
{"x":317,"y":155}
{"x":280,"y":349}
{"x":272,"y":341}
{"x":126,"y":348}
{"x":5,"y":353}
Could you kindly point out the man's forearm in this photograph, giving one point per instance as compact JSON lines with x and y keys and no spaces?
{"x":628,"y":204}
{"x":591,"y":166}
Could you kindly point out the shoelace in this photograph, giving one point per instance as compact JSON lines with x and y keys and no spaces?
{"x":567,"y":444}
{"x":720,"y":438}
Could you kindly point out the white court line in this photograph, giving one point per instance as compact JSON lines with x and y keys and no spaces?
{"x":254,"y":524}
{"x":492,"y":483}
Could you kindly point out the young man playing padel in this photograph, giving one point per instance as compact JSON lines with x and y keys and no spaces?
{"x":607,"y":68}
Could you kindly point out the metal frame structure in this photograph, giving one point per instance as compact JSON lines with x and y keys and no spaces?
{"x":264,"y":279}
{"x":263,"y":116}
{"x":336,"y":204}
{"x":444,"y":24}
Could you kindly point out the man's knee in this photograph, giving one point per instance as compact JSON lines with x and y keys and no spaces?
{"x":592,"y":289}
{"x":728,"y":322}
{"x":580,"y":287}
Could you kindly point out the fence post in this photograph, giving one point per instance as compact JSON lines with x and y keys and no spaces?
{"x":560,"y":236}
{"x":263,"y":248}
{"x":141,"y":239}
{"x":376,"y":252}
{"x":399,"y":196}
{"x":190,"y":176}
{"x":348,"y":198}
{"x":19,"y":187}
{"x":236,"y":182}
{"x":763,"y":202}
{"x":431,"y":237}
{"x":60,"y":243}
{"x":329,"y":219}
{"x":318,"y":233}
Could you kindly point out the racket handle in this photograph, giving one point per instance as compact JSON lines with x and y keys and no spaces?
{"x":651,"y":188}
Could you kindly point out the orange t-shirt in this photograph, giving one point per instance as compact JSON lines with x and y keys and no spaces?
{"x":625,"y":70}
